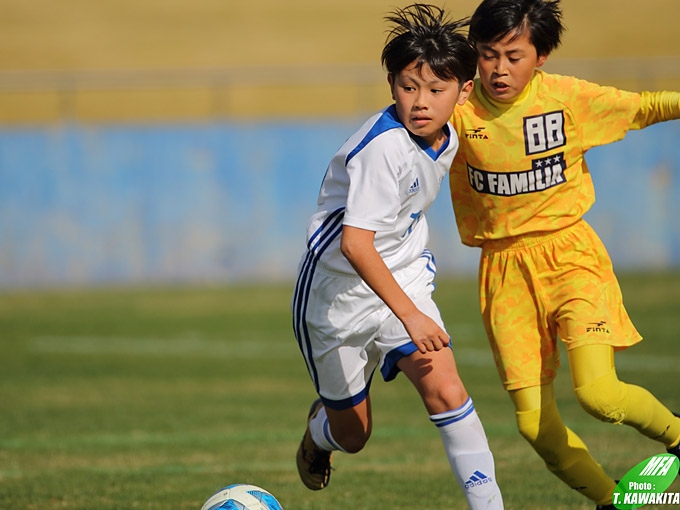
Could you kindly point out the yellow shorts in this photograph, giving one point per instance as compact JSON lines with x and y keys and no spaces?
{"x":539,"y":287}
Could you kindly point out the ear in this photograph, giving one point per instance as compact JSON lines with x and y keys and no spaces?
{"x":541,"y":60}
{"x":465,"y":91}
{"x":390,"y":80}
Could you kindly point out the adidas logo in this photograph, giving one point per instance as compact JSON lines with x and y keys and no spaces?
{"x":415,"y":187}
{"x":477,"y":478}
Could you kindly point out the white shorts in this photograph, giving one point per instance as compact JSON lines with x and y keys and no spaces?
{"x":345,"y":331}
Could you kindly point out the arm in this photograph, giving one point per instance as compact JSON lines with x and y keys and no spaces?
{"x":657,"y":107}
{"x":357,"y":246}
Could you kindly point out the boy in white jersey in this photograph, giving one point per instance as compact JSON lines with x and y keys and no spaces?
{"x":363,"y":295}
{"x":520,"y":187}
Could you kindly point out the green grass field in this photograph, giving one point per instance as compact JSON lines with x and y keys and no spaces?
{"x":155,"y":398}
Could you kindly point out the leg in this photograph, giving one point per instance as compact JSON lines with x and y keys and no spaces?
{"x":340,"y":354}
{"x":351,"y":428}
{"x":564,"y":453}
{"x":436,"y":379}
{"x":602,"y":395}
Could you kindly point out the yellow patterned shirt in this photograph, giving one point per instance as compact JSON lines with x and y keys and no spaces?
{"x":520,"y":167}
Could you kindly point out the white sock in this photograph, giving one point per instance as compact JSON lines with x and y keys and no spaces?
{"x":471,"y":460}
{"x":321,"y":432}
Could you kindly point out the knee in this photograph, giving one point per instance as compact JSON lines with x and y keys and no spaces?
{"x":443,"y":397}
{"x":604,"y":398}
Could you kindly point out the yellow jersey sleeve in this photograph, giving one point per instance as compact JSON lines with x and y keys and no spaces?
{"x":520,"y":167}
{"x":657,"y":107}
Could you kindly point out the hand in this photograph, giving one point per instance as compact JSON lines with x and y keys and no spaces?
{"x":426,"y":333}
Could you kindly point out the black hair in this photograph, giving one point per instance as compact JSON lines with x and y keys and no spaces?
{"x":424,"y":34}
{"x":495,"y":19}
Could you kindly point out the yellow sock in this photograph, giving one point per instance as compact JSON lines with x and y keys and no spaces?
{"x":564,"y":453}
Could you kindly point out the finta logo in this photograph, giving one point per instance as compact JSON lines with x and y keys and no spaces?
{"x":476,"y":134}
{"x":597,"y":327}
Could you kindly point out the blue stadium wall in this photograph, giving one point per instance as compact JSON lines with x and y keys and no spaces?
{"x":229,"y":202}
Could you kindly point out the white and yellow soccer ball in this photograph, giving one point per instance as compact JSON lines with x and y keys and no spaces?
{"x":241,"y":496}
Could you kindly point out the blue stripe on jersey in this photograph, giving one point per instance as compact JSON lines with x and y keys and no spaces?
{"x":444,"y":419}
{"x":330,"y":229}
{"x":390,"y":120}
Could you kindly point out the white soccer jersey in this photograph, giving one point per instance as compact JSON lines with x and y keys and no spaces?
{"x":382,"y":179}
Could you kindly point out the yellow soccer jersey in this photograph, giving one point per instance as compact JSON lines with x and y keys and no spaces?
{"x":520,"y":167}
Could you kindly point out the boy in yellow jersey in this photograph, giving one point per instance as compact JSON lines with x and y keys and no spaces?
{"x":520,"y":187}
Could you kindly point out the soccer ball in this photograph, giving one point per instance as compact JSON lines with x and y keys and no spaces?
{"x":241,"y":496}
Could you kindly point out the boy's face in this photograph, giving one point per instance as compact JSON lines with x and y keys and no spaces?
{"x":507,"y":66}
{"x":425,"y":102}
